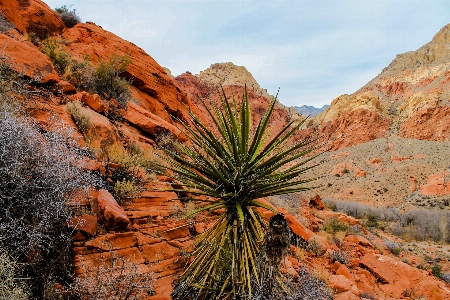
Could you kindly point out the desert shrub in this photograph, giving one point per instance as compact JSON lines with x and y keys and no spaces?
{"x":69,"y":17}
{"x":417,"y":224}
{"x":11,"y":287}
{"x":107,"y":80}
{"x":393,"y":247}
{"x":305,"y":286}
{"x":125,"y":189}
{"x":436,"y":270}
{"x":58,"y":56}
{"x":39,"y":174}
{"x":82,"y":118}
{"x":446,"y":277}
{"x":114,"y":279}
{"x":315,"y":246}
{"x":339,"y":256}
{"x":372,"y":220}
{"x":333,"y":225}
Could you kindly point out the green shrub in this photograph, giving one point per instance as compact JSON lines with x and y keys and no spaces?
{"x":436,"y":271}
{"x":58,"y":56}
{"x":372,"y":220}
{"x":80,"y":116}
{"x":393,"y":247}
{"x":333,"y":225}
{"x":107,"y":80}
{"x":69,"y":17}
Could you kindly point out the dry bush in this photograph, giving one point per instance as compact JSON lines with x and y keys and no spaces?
{"x":39,"y":172}
{"x":69,"y":17}
{"x":446,"y":277}
{"x":315,"y":246}
{"x":339,"y":256}
{"x":393,"y":247}
{"x":81,"y":117}
{"x":305,"y":286}
{"x":124,"y":190}
{"x":11,"y":287}
{"x":417,"y":224}
{"x":290,"y":202}
{"x":115,"y":279}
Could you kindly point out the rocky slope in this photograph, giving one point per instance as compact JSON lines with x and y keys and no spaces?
{"x":146,"y":230}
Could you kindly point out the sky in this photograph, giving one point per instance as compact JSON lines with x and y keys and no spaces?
{"x":313,"y":50}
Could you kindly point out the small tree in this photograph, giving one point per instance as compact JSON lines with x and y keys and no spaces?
{"x":233,"y":166}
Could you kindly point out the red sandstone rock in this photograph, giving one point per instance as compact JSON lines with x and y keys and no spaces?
{"x":50,"y":79}
{"x":428,"y":124}
{"x":436,"y":184}
{"x":149,"y":122}
{"x":146,"y":74}
{"x":84,"y":223}
{"x":111,"y":213}
{"x":297,"y":227}
{"x":354,"y":127}
{"x":413,"y":184}
{"x":26,"y":59}
{"x":66,"y":87}
{"x":31,"y":16}
{"x":94,"y":102}
{"x":316,"y":202}
{"x":378,"y":267}
{"x":358,"y":240}
{"x":397,"y":159}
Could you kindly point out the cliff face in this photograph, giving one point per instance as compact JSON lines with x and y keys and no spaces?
{"x":411,"y":95}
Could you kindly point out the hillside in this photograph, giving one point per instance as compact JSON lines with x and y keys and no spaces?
{"x":122,"y":226}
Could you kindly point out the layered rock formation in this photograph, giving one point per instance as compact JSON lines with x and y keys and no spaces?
{"x":146,"y":230}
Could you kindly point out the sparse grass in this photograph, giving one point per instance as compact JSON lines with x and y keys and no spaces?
{"x":80,"y":116}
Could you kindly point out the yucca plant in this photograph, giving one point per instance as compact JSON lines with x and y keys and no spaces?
{"x":229,"y":167}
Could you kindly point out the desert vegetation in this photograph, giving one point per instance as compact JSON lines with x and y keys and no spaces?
{"x":69,"y":17}
{"x":234,"y":166}
{"x":418,"y":224}
{"x":105,"y":80}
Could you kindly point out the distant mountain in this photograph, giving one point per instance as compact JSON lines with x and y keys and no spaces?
{"x":307,"y":110}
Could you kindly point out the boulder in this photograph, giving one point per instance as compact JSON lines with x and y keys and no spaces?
{"x":94,"y":102}
{"x":26,"y":59}
{"x":111,"y":213}
{"x":316,"y":202}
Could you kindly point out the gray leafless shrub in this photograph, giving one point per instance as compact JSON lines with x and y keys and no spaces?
{"x":393,"y":247}
{"x":39,"y":173}
{"x":115,"y":279}
{"x":339,"y":256}
{"x":418,"y":224}
{"x":11,"y":287}
{"x":446,"y":277}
